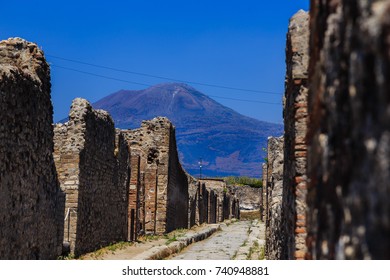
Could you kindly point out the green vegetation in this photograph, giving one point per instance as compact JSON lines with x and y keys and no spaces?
{"x":67,"y":257}
{"x":148,"y":238}
{"x":244,"y":181}
{"x":262,"y":253}
{"x":174,"y":235}
{"x":265,"y":159}
{"x":170,"y":240}
{"x":112,"y":248}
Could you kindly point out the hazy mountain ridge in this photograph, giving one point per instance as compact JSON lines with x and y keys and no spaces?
{"x":228,"y":142}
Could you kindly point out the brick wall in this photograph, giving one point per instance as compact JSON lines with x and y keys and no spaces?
{"x":30,"y":200}
{"x":135,"y":193}
{"x":92,"y":162}
{"x":349,"y":138}
{"x":295,"y":146}
{"x":164,"y":204}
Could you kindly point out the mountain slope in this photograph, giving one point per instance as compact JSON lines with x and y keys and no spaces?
{"x":228,"y":142}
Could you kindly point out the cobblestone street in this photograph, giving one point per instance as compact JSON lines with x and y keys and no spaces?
{"x":238,"y":240}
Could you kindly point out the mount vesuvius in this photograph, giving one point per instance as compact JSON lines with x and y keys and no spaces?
{"x":227,"y":142}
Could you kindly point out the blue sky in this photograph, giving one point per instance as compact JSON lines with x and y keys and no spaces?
{"x":236,"y":44}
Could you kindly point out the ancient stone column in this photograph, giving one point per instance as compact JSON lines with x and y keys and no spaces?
{"x":349,"y":130}
{"x":31,"y":213}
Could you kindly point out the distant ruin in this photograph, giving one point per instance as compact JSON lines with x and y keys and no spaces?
{"x":227,"y":203}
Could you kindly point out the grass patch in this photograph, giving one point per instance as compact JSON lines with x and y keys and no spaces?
{"x":112,"y":248}
{"x":255,"y":251}
{"x":249,"y":256}
{"x":235,"y":255}
{"x":262,"y":253}
{"x":170,"y":240}
{"x":174,"y":235}
{"x":67,"y":257}
{"x":118,"y":246}
{"x":149,"y":237}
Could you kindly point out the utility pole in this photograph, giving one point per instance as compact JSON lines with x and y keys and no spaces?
{"x":200,"y":168}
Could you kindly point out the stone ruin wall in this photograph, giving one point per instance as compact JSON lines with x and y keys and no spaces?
{"x":295,"y":146}
{"x":92,"y":161}
{"x":168,"y":197}
{"x":349,"y":132}
{"x":136,"y":208}
{"x":212,"y":207}
{"x":264,"y":204}
{"x":226,"y":206}
{"x":218,"y":187}
{"x":163,"y":184}
{"x":193,"y":194}
{"x":274,"y":195}
{"x":177,"y":193}
{"x":31,"y":201}
{"x":74,"y":182}
{"x":203,"y":204}
{"x":249,"y":197}
{"x":347,"y":136}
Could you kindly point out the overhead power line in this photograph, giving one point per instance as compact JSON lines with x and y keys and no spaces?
{"x":161,"y":77}
{"x":100,"y":76}
{"x":245,"y":100}
{"x":136,"y":83}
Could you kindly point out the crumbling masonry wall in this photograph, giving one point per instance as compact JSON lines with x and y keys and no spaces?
{"x":211,"y":201}
{"x":274,"y":192}
{"x":136,"y":207}
{"x":295,"y":146}
{"x":225,"y":204}
{"x":177,"y":193}
{"x":212,"y":207}
{"x":92,"y":162}
{"x":164,"y":202}
{"x":203,"y":204}
{"x":193,"y":196}
{"x":31,"y":203}
{"x":349,"y":132}
{"x":249,"y":197}
{"x":263,"y":203}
